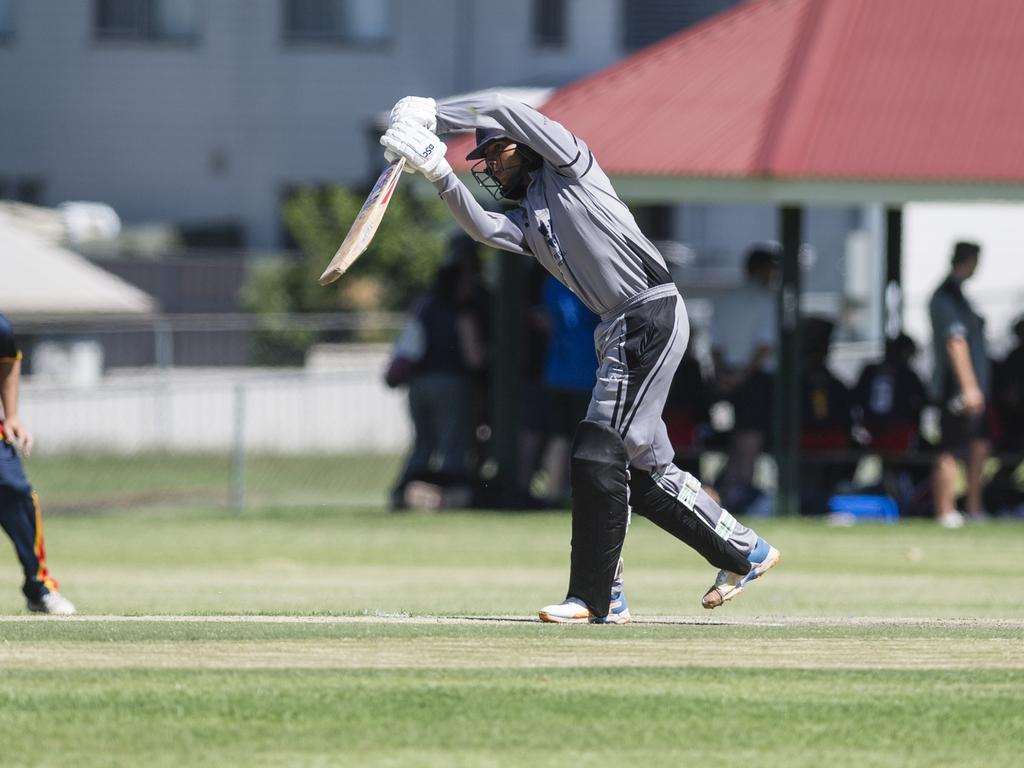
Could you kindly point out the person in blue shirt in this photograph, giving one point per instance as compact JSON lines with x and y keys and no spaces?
{"x":20,"y":515}
{"x":570,"y":372}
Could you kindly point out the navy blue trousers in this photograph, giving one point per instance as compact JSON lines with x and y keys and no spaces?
{"x":21,"y":519}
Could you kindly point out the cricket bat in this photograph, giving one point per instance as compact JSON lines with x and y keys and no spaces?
{"x":365,"y":226}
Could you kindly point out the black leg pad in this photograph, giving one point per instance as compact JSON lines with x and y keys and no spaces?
{"x":600,"y":513}
{"x":670,"y":515}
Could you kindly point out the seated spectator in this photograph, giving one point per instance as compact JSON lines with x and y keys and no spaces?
{"x":889,"y":398}
{"x":743,"y":340}
{"x":826,"y":421}
{"x":887,"y":405}
{"x":1004,"y":493}
{"x":687,"y":412}
{"x":1008,"y":394}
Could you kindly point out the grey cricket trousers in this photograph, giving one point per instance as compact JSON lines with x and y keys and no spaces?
{"x":639,"y":345}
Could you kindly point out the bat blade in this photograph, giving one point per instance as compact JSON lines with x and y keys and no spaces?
{"x":365,"y":225}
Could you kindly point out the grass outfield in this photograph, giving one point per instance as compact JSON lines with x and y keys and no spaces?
{"x":360,"y":638}
{"x":98,"y":482}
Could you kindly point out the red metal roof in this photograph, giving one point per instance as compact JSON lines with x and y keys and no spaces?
{"x":928,"y":90}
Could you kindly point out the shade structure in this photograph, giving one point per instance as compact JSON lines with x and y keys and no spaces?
{"x":807,"y":98}
{"x":41,"y":279}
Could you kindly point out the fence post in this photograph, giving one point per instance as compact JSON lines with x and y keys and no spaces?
{"x":163,"y":357}
{"x":237,"y":491}
{"x":163,"y":344}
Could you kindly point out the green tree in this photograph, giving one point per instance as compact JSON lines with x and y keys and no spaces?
{"x":398,"y":265}
{"x":402,"y":258}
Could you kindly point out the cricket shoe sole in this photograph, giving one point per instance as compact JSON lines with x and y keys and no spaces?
{"x":729,"y":585}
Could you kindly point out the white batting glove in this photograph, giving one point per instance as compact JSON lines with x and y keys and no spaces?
{"x":416,"y":110}
{"x":422,"y":150}
{"x":391,"y":157}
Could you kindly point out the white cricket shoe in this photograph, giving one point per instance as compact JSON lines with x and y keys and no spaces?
{"x":951,"y":519}
{"x":574,"y":611}
{"x":53,"y":603}
{"x":728,"y":584}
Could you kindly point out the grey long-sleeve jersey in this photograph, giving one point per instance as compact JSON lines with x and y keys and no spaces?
{"x":571,"y":220}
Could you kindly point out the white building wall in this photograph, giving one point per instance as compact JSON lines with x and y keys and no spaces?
{"x":212,"y":130}
{"x":997,"y":288}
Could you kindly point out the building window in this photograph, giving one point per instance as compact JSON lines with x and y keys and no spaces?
{"x":647,"y":21}
{"x":29,"y":191}
{"x":549,"y":27}
{"x":23,"y":190}
{"x":6,"y":19}
{"x":170,"y":20}
{"x":346,"y":21}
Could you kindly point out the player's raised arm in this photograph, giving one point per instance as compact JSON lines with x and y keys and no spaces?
{"x":550,"y":139}
{"x":499,"y":230}
{"x":425,"y":153}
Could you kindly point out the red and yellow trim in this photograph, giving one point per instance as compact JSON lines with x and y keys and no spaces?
{"x":39,"y":548}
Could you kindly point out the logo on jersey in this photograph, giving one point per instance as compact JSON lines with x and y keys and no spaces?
{"x":543,"y":216}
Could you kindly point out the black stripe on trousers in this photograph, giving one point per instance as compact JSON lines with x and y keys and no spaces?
{"x":650,"y":330}
{"x":618,"y":403}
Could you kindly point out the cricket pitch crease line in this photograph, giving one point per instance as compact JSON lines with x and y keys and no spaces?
{"x":396,"y":618}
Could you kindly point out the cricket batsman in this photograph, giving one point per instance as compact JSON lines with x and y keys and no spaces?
{"x":570,"y":219}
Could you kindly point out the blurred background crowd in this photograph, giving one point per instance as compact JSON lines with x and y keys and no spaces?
{"x":886,"y":441}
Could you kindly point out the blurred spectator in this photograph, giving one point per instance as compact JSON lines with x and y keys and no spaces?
{"x":570,"y":372}
{"x":889,"y":398}
{"x":1005,"y":491}
{"x":743,"y":339}
{"x":826,"y":421}
{"x":449,"y":355}
{"x":533,"y":431}
{"x":961,"y":386}
{"x":476,"y":303}
{"x":688,"y":410}
{"x":1008,"y":394}
{"x":20,"y":515}
{"x":887,"y":405}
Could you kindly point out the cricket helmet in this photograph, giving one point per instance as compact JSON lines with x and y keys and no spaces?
{"x":484,"y":138}
{"x":526,"y":160}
